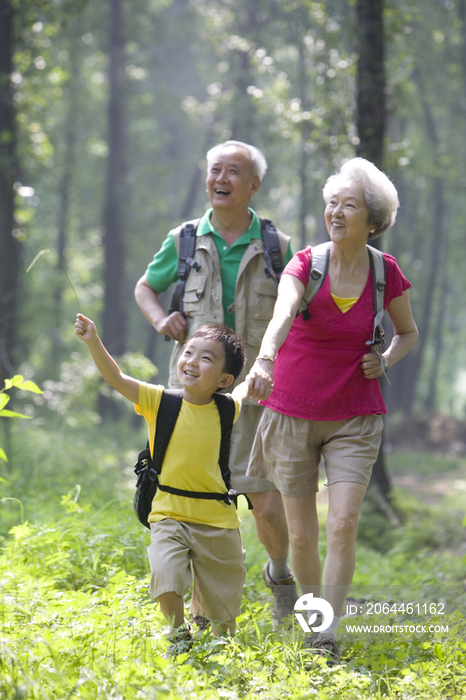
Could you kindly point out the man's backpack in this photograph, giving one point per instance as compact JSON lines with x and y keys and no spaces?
{"x":318,"y":272}
{"x":187,"y":247}
{"x":148,"y":469}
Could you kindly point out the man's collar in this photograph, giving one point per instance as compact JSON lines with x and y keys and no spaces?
{"x":253,"y":231}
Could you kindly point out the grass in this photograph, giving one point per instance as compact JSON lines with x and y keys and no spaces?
{"x":77,"y":621}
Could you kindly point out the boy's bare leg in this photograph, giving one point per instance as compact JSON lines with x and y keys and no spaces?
{"x":221,"y":628}
{"x":172,"y":607}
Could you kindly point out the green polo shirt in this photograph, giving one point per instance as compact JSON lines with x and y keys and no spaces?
{"x":163,"y":270}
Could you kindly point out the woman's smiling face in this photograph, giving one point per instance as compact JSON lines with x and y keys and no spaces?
{"x":346,"y":213}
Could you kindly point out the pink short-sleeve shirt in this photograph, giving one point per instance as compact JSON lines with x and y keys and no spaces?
{"x":317,"y":373}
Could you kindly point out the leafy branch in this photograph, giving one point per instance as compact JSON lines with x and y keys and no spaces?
{"x":20,"y":383}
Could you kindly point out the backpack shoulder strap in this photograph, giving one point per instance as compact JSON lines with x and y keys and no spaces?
{"x":226,"y":409}
{"x":378,"y":269}
{"x":272,"y":253}
{"x":186,"y":249}
{"x":169,"y":409}
{"x":318,"y":270}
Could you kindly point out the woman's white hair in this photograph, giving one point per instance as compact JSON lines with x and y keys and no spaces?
{"x":256,"y":156}
{"x":379,"y":192}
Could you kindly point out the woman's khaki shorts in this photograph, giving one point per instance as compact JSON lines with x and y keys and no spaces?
{"x":288,"y":450}
{"x":214,"y":557}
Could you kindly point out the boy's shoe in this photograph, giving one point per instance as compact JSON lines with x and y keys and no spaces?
{"x":285,"y":596}
{"x":180,"y":640}
{"x":201,"y":623}
{"x":328,"y":646}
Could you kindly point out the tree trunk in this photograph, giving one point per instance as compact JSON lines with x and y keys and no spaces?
{"x":243,"y":119}
{"x":438,"y":335}
{"x":114,"y":318}
{"x":9,"y":243}
{"x":370,"y":90}
{"x":370,"y":122}
{"x":437,"y":242}
{"x":66,"y":179}
{"x":305,"y":131}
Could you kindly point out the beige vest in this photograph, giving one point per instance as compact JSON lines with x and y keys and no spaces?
{"x":255,"y":296}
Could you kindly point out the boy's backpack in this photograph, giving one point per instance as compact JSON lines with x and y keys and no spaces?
{"x":318,"y":272}
{"x":148,"y":469}
{"x":187,"y":246}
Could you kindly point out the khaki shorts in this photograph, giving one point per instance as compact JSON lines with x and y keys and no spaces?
{"x":288,"y":451}
{"x":242,"y":438}
{"x":214,"y":557}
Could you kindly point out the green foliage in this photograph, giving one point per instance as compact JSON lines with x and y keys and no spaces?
{"x":281,"y":75}
{"x":77,"y":620}
{"x":20,"y":383}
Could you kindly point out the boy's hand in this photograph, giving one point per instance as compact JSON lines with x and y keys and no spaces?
{"x":85,"y":328}
{"x":240,"y":392}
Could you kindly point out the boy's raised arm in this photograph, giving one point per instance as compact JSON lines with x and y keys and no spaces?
{"x":86,"y":331}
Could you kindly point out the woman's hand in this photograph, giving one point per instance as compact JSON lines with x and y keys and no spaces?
{"x":405,"y":335}
{"x":260,"y":380}
{"x":371,"y":365}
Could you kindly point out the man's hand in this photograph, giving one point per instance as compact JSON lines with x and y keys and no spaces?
{"x":174,"y":326}
{"x":148,"y":299}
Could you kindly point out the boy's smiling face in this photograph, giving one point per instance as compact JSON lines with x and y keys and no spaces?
{"x":201,"y":370}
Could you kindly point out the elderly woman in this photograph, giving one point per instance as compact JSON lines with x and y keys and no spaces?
{"x":319,"y":379}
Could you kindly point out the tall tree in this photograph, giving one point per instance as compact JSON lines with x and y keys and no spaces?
{"x":114,"y":319}
{"x":370,"y":90}
{"x":69,"y":165}
{"x":438,"y":270}
{"x":9,"y":244}
{"x":370,"y":122}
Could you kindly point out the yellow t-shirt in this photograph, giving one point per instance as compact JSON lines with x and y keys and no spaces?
{"x":343,"y":303}
{"x":191,"y":462}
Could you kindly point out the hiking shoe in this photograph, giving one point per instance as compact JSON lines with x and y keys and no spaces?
{"x":328,"y":646}
{"x":201,"y":623}
{"x":180,"y":640}
{"x":285,"y":596}
{"x":310,"y":640}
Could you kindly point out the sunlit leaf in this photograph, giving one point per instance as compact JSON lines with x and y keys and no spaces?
{"x":11,"y":414}
{"x":28,"y":385}
{"x":14,"y":381}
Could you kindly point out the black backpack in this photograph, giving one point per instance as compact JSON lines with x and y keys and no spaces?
{"x":148,"y":469}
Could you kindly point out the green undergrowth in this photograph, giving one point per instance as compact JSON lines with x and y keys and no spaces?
{"x":77,"y":622}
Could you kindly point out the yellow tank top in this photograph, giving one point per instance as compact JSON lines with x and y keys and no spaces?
{"x":344,"y":304}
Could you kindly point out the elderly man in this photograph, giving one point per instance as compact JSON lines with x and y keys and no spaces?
{"x":231,"y":280}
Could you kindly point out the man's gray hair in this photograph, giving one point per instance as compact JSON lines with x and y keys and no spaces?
{"x":379,"y":192}
{"x":256,"y":156}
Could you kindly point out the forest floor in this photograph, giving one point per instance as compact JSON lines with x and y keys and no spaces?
{"x":76,"y":620}
{"x":433,"y":488}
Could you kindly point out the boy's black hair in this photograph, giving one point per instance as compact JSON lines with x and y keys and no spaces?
{"x":233,"y":346}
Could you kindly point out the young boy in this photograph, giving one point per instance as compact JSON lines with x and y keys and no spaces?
{"x":188,"y":534}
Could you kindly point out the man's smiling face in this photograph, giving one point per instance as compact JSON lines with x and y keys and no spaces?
{"x":231,"y":182}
